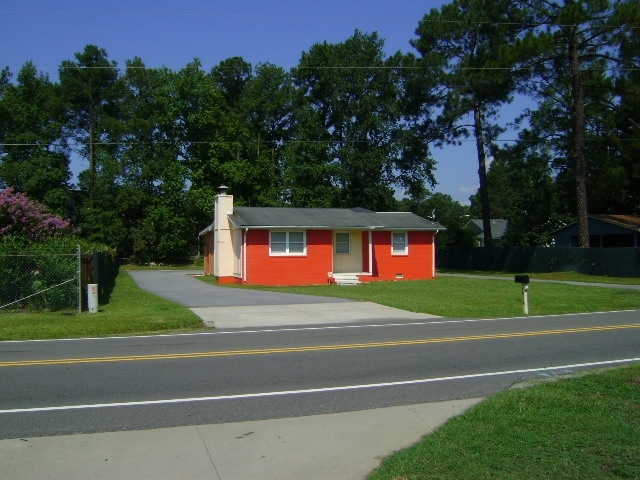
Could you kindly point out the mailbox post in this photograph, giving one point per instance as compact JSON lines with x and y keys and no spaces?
{"x":524,"y":280}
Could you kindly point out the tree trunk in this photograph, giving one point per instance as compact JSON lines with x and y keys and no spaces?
{"x":92,"y":164}
{"x":577,"y":124}
{"x":482,"y":175}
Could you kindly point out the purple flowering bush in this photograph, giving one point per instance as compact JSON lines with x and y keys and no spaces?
{"x":22,"y":217}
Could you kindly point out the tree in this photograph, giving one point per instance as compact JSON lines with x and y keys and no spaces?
{"x":465,"y":49}
{"x":352,"y":91}
{"x":153,"y":193}
{"x":626,"y":142}
{"x":571,"y":50}
{"x":89,"y":90}
{"x":266,"y":108}
{"x":33,"y":156}
{"x":524,"y":193}
{"x":443,"y":209}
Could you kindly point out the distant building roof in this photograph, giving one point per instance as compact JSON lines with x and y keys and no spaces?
{"x":631,"y":222}
{"x":498,"y":227}
{"x":328,"y":218}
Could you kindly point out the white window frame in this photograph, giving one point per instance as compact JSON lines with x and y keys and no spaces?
{"x":287,"y":243}
{"x":405,"y":250}
{"x":348,"y":243}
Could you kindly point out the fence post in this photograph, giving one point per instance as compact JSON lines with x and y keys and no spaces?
{"x":79,"y":263}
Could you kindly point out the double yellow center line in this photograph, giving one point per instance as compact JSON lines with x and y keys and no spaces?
{"x":316,"y":348}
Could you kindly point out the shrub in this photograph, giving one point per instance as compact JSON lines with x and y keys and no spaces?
{"x":22,"y":217}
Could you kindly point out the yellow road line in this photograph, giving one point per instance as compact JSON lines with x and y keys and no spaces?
{"x":317,"y":348}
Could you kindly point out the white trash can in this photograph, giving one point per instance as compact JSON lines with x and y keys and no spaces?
{"x":92,"y":297}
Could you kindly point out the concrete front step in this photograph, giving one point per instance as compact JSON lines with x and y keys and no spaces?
{"x":345,"y":279}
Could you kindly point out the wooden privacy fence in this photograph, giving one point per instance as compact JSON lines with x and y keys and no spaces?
{"x":613,"y":262}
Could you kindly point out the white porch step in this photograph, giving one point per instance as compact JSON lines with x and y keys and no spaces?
{"x":346,"y":279}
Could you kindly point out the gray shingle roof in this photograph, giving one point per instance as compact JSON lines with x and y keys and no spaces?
{"x":328,"y":218}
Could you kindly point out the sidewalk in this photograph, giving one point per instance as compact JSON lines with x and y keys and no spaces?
{"x":340,"y":446}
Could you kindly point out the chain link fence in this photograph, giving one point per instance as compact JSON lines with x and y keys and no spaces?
{"x":40,"y":282}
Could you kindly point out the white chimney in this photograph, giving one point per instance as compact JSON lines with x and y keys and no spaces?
{"x":223,"y":262}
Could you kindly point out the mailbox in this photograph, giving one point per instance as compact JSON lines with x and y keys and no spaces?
{"x":522,"y":278}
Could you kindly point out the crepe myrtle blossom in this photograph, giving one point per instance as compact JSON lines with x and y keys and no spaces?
{"x":27,"y":218}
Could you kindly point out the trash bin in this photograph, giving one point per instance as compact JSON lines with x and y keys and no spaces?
{"x":92,"y":297}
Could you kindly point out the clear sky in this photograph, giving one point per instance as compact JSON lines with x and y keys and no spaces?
{"x":173,"y":33}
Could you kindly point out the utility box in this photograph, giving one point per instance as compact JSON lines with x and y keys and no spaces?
{"x":92,"y":297}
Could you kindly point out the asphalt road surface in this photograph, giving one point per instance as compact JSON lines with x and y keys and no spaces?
{"x":96,"y":385}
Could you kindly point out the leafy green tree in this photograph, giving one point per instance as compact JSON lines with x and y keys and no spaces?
{"x":33,"y":156}
{"x":353,"y":92}
{"x":308,"y":171}
{"x":465,"y":49}
{"x":443,"y":209}
{"x":266,"y":108}
{"x":153,"y":192}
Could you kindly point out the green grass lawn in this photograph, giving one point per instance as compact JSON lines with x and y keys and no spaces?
{"x":473,"y":298}
{"x":130,"y":311}
{"x":577,"y":428}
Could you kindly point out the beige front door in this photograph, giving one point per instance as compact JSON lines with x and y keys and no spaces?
{"x":347,"y":252}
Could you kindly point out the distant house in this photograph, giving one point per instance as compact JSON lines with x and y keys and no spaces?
{"x":498,"y":229}
{"x":304,"y":246}
{"x":605,"y":231}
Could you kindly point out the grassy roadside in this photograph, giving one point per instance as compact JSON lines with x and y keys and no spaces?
{"x":575,"y":428}
{"x":130,"y":311}
{"x":475,"y":298}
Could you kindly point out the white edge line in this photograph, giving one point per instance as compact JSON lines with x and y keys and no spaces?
{"x":324,"y":327}
{"x":312,"y":390}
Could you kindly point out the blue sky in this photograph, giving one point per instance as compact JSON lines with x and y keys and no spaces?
{"x":173,"y":33}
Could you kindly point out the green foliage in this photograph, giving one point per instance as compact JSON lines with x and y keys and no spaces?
{"x":348,"y":100}
{"x":444,"y":210}
{"x":33,"y":158}
{"x":348,"y":126}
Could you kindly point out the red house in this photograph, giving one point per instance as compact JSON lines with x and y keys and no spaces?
{"x":305,"y":246}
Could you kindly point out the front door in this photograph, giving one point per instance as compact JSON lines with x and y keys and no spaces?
{"x":347,"y":252}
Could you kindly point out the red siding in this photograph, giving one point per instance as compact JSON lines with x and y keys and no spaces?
{"x":312,"y":269}
{"x":417,"y":265}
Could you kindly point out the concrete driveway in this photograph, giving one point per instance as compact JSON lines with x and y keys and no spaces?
{"x":229,"y":308}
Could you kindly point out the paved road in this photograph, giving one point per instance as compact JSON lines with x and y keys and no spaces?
{"x":85,"y":386}
{"x":255,"y":378}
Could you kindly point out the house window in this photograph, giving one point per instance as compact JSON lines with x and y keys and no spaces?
{"x":287,"y":243}
{"x":399,"y":244}
{"x":343,"y":243}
